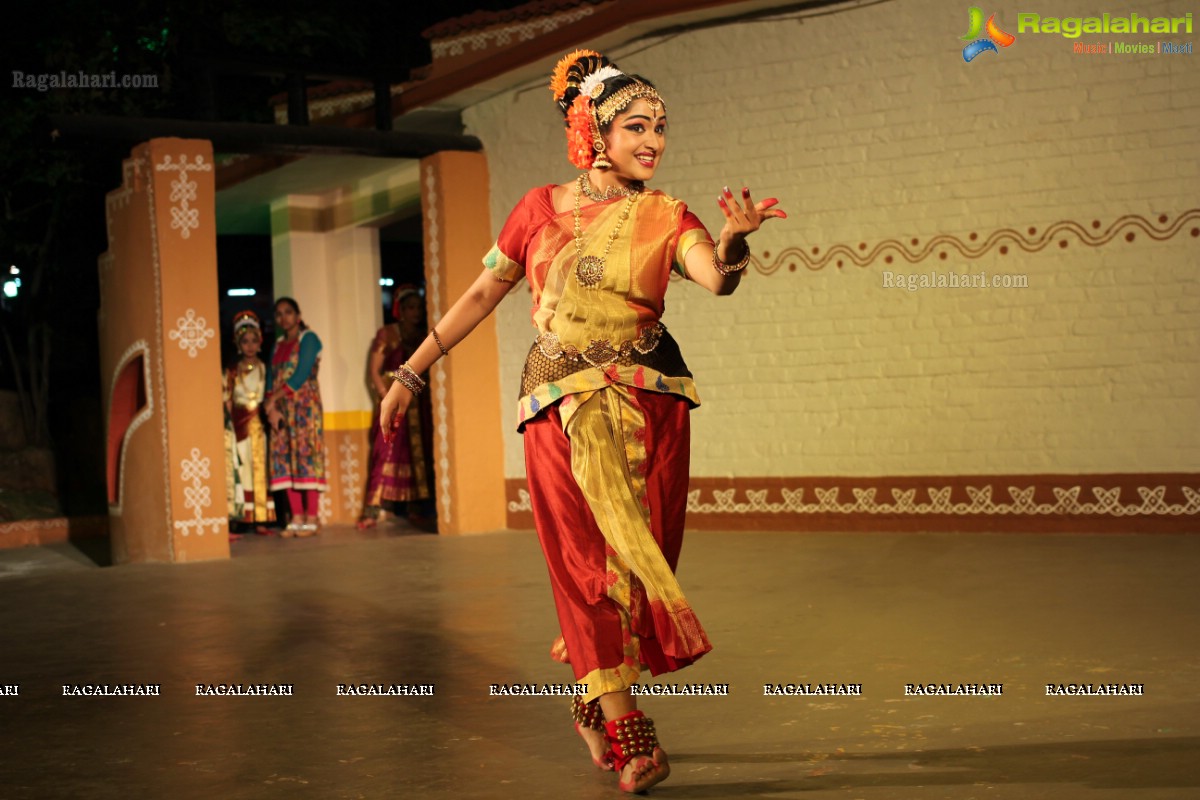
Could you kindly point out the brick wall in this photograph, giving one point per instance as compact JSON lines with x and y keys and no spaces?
{"x":1077,"y":173}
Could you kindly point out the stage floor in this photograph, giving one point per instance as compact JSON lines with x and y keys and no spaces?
{"x":464,"y":613}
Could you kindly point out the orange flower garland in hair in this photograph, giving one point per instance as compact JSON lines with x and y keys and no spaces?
{"x":558,"y":79}
{"x":579,"y":115}
{"x":579,"y":133}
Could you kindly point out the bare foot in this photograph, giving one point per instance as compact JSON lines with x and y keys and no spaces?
{"x":597,"y":746}
{"x":644,"y":771}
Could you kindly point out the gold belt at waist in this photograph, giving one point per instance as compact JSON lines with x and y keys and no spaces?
{"x":601,"y":352}
{"x":549,"y":360}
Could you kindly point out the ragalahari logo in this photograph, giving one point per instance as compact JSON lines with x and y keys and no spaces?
{"x":978,"y":44}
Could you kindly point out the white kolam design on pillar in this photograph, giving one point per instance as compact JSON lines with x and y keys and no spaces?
{"x":352,"y":487}
{"x":192,"y":332}
{"x":184,"y":218}
{"x":198,"y":496}
{"x":522,"y":503}
{"x":439,"y":371}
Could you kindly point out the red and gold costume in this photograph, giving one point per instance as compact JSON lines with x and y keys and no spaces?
{"x":245,"y":388}
{"x":604,"y":404}
{"x":400,"y":468}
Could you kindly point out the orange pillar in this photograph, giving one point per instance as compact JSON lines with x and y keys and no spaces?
{"x":160,"y":355}
{"x":468,"y":446}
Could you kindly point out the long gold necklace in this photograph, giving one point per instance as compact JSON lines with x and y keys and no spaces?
{"x":589,"y":270}
{"x":246,"y":369}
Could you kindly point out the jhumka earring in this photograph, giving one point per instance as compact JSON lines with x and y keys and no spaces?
{"x":601,"y":161}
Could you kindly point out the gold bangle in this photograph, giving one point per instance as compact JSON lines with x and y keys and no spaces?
{"x":438,"y":339}
{"x":409,"y":377}
{"x":729,"y":269}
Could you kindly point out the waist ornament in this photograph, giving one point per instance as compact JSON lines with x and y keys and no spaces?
{"x":600,"y":352}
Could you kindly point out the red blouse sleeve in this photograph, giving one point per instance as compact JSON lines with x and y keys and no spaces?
{"x":691,"y":232}
{"x":506,"y":259}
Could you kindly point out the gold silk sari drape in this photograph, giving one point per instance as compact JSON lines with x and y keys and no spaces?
{"x":620,"y":431}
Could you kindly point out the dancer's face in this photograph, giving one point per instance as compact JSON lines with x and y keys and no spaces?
{"x":636,"y":141}
{"x":250,"y":343}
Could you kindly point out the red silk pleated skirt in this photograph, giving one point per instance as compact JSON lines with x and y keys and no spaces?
{"x":599,"y":636}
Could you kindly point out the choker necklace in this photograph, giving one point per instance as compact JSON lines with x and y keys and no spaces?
{"x":600,"y":196}
{"x":589,"y":270}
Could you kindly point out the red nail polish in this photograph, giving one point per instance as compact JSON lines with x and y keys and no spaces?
{"x":745,"y":191}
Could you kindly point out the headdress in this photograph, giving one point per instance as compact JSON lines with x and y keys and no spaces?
{"x":399,"y":294}
{"x":243,"y":320}
{"x":590,"y":91}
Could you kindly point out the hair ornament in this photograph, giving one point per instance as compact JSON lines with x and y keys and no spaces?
{"x":559,"y":80}
{"x":579,"y":133}
{"x":593,"y":85}
{"x":619,"y":100}
{"x":590,"y":91}
{"x":244,"y":320}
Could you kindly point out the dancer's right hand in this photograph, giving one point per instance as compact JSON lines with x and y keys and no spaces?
{"x":392,"y":408}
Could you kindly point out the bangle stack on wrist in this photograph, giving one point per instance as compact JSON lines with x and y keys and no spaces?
{"x":409,"y":377}
{"x":729,"y":269}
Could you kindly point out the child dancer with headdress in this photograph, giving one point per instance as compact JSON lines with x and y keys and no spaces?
{"x":605,"y":394}
{"x":245,"y":388}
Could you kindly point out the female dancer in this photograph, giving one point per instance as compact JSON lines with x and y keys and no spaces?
{"x":296,"y":416}
{"x":400,"y":469}
{"x":245,"y":387}
{"x":605,"y":395}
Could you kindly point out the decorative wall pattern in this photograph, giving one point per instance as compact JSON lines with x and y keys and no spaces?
{"x":433,"y":267}
{"x":1132,"y":503}
{"x":1020,"y":501}
{"x":192,"y":332}
{"x":319,"y":108}
{"x":1031,"y":240}
{"x":118,"y":199}
{"x":140,"y":347}
{"x":508,"y":34}
{"x":351,"y":479}
{"x":160,"y":374}
{"x":184,"y":218}
{"x":197,"y":496}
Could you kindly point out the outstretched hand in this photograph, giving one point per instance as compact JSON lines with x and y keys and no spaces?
{"x":745,"y":217}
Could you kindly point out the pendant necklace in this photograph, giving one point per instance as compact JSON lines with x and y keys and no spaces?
{"x":589,"y":270}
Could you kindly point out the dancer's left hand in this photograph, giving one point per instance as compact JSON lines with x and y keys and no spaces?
{"x":745,"y":217}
